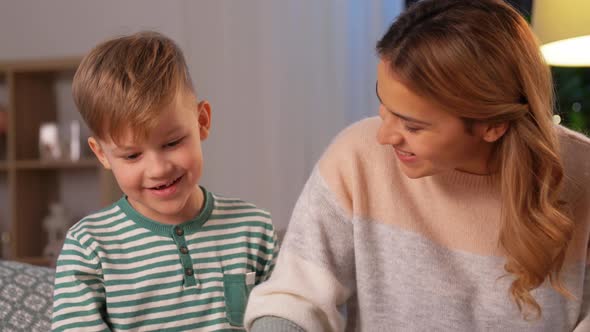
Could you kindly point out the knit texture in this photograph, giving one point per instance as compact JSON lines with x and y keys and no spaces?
{"x":275,"y":324}
{"x":368,"y":249}
{"x":25,"y":297}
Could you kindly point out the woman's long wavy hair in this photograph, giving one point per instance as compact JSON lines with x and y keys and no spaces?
{"x":480,"y":61}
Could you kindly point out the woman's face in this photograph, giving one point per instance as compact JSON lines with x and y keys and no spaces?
{"x":425,"y":139}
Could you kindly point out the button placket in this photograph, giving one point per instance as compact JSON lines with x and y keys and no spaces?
{"x":185,"y":258}
{"x":183,"y":250}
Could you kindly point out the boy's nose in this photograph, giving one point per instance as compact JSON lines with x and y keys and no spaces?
{"x":158,"y":166}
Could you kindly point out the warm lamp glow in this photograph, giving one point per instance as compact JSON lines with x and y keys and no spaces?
{"x":572,"y":52}
{"x":563,"y":27}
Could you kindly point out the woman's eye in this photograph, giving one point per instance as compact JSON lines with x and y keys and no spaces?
{"x":412,"y":129}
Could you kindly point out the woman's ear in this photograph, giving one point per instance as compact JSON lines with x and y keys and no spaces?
{"x":491,"y":132}
{"x":98,"y":152}
{"x":204,"y":119}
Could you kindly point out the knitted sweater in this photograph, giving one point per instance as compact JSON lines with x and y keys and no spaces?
{"x":119,"y":270}
{"x":369,"y":249}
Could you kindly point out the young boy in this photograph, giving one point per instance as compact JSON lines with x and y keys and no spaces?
{"x":169,"y":255}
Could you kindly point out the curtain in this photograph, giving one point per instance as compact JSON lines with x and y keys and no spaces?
{"x":283,"y":78}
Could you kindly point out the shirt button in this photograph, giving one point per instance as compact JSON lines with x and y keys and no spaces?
{"x":184,"y":250}
{"x":178,"y":231}
{"x":189,"y":271}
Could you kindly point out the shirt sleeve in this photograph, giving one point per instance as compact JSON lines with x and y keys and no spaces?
{"x":584,"y":322}
{"x":582,"y":217}
{"x":274,"y":324}
{"x":270,"y":257}
{"x":79,"y":296}
{"x":314,"y":274}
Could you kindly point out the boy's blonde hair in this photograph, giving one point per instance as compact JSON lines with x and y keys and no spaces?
{"x":125,"y":83}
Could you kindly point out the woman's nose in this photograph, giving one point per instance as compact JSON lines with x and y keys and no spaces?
{"x":388,"y":133}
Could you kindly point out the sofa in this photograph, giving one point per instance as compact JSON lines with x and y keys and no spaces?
{"x":26,"y":297}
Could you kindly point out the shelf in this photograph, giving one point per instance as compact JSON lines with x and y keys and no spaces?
{"x":58,"y":164}
{"x":36,"y":91}
{"x":41,"y":65}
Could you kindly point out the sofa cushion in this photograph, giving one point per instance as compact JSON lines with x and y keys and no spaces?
{"x":26,"y":297}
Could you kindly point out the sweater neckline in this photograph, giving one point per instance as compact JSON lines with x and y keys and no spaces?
{"x":189,"y":226}
{"x":469,"y":180}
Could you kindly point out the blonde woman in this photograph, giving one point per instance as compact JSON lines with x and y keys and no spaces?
{"x":463,"y":207}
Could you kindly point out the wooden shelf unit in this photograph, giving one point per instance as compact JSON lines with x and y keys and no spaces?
{"x":32,"y":184}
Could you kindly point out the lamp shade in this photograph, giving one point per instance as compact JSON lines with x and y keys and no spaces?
{"x":563,"y":27}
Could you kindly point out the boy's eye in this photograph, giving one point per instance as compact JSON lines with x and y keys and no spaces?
{"x":173,"y":143}
{"x":132,"y":156}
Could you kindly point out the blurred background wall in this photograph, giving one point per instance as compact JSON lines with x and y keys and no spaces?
{"x":283,"y":77}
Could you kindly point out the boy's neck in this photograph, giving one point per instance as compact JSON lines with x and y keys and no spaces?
{"x":192,"y":208}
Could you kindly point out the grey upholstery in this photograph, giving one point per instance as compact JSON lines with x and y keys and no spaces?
{"x":26,"y":296}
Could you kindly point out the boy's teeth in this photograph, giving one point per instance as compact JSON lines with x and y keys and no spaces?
{"x":165,"y":185}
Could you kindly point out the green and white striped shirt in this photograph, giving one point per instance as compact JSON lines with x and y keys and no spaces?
{"x":120,"y":271}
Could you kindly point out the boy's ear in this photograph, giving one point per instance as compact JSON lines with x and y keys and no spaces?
{"x":204,"y":118}
{"x":491,"y":132}
{"x":98,"y":152}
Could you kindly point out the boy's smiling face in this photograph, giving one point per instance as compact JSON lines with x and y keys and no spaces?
{"x":160,"y":174}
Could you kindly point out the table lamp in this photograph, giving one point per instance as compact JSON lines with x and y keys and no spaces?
{"x":563,"y":28}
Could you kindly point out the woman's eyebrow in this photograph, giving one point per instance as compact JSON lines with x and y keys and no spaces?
{"x":401,"y":116}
